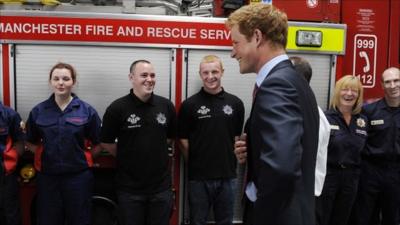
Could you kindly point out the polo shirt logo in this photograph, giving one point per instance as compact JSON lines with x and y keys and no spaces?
{"x":161,"y":119}
{"x":377,"y":122}
{"x":203,"y":111}
{"x":227,"y":109}
{"x":133,"y":119}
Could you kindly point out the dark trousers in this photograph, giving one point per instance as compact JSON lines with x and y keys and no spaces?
{"x":335,"y":204}
{"x":248,"y":211}
{"x":218,"y":194}
{"x":64,"y":199}
{"x":151,"y":209}
{"x":10,"y":212}
{"x":379,"y":181}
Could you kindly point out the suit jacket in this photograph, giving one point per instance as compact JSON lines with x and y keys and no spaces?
{"x":282,"y":141}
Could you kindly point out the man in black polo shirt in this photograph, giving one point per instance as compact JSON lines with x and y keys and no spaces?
{"x":209,"y":121}
{"x":144,"y":125}
{"x":380,"y":169}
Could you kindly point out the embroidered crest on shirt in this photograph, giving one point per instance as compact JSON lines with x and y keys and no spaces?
{"x":203,"y":111}
{"x":360,"y":122}
{"x":133,"y":119}
{"x":161,"y":119}
{"x":227,"y":109}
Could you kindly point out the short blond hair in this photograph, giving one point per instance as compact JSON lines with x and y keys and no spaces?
{"x":348,"y":81}
{"x":212,"y":58}
{"x":265,"y":17}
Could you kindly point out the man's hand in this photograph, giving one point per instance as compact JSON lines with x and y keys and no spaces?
{"x":241,"y":148}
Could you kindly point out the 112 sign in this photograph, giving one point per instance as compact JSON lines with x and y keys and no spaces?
{"x":364,"y":60}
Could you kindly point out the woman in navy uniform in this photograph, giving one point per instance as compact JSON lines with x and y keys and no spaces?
{"x":11,"y":147}
{"x":59,"y":130}
{"x":348,"y":136}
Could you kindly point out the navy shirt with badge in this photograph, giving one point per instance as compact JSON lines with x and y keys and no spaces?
{"x":346,"y":141}
{"x":141,"y":129}
{"x":383,"y":131}
{"x":210,"y":123}
{"x":10,"y":132}
{"x":63,"y":135}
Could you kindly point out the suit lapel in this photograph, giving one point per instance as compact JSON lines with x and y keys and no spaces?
{"x":280,"y":65}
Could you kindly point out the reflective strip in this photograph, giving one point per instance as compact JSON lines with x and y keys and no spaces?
{"x":10,"y":156}
{"x":87,"y":152}
{"x":38,"y":157}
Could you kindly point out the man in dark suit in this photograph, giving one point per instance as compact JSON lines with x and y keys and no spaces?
{"x":282,"y":134}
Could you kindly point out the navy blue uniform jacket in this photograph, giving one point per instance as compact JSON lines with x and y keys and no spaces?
{"x":283,"y":140}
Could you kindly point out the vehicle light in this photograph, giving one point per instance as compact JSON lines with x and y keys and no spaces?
{"x":309,"y":38}
{"x":27,"y":173}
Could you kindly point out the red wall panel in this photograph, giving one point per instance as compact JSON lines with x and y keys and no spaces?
{"x":310,"y":10}
{"x":367,"y":42}
{"x":394,"y":37}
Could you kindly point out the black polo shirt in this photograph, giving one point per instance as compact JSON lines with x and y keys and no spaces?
{"x":346,"y":141}
{"x":383,"y":131}
{"x":210,"y":123}
{"x":142,"y":130}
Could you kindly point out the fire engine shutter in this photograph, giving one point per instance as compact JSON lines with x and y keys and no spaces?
{"x":322,"y":72}
{"x":241,"y":86}
{"x":102,"y":72}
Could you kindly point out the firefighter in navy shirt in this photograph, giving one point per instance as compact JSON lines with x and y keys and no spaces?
{"x":380,"y":176}
{"x":348,"y":137}
{"x":144,"y":125}
{"x":59,"y":131}
{"x":209,"y":121}
{"x":11,"y":146}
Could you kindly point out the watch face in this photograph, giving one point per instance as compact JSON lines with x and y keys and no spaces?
{"x":312,"y":3}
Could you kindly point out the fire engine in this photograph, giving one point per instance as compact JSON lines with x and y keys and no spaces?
{"x":102,"y":37}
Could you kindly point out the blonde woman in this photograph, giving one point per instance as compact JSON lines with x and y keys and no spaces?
{"x":348,"y":136}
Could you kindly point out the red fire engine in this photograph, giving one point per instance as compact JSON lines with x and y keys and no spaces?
{"x":355,"y":37}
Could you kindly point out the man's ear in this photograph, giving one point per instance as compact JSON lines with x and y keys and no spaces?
{"x":258,"y":36}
